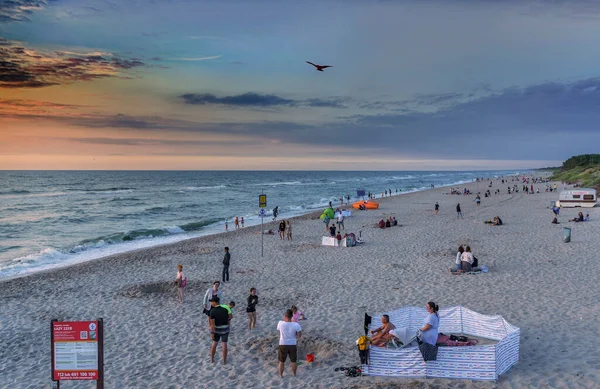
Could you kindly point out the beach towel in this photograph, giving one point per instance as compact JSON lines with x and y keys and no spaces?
{"x":445,"y":340}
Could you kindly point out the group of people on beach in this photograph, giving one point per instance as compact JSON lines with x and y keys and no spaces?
{"x":427,"y":333}
{"x":220,"y":317}
{"x":465,"y":261}
{"x":237,"y":222}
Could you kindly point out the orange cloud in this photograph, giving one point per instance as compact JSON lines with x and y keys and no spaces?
{"x":27,"y":68}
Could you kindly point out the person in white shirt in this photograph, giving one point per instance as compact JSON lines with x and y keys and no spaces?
{"x":467,"y":260}
{"x":340,"y":221}
{"x":289,"y":332}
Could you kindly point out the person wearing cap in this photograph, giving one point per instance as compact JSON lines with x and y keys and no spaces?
{"x":219,"y":320}
{"x":210,"y":293}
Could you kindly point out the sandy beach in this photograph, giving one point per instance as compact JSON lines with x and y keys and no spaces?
{"x":545,"y":287}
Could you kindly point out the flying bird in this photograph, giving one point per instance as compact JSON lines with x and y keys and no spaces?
{"x":319,"y":67}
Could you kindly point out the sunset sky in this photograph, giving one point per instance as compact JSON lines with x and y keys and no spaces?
{"x":194,"y":84}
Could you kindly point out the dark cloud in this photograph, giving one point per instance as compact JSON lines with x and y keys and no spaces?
{"x":19,"y":10}
{"x":21,"y":67}
{"x":251,"y":99}
{"x":549,"y":121}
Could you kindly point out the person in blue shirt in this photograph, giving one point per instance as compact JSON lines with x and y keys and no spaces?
{"x":429,"y":331}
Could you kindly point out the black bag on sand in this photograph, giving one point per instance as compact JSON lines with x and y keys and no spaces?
{"x":364,"y":356}
{"x":475,"y":262}
{"x":367,"y":323}
{"x":428,"y":351}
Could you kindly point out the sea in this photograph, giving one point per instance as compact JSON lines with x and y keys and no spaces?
{"x":51,"y":219}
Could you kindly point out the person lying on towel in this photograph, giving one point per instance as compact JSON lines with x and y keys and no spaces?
{"x":382,"y":335}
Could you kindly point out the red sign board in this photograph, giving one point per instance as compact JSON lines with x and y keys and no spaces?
{"x":75,"y":350}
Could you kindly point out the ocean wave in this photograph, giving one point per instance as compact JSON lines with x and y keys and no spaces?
{"x":195,"y":188}
{"x":281,"y":183}
{"x":13,"y":192}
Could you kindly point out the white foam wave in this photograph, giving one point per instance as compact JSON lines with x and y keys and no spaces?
{"x":195,"y":188}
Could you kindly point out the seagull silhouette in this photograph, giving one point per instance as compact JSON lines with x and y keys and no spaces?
{"x":319,"y":67}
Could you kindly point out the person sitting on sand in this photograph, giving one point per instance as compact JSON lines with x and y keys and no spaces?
{"x":587,"y":217}
{"x":555,"y":220}
{"x":297,"y":315}
{"x":466,"y":260}
{"x":388,"y":224}
{"x":381,"y":223}
{"x":579,"y":218}
{"x":458,"y":261}
{"x":382,"y":335}
{"x":497,"y":221}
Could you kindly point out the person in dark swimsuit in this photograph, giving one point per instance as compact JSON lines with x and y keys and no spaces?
{"x":251,"y":308}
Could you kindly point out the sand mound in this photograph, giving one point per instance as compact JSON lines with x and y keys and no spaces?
{"x":320,"y":346}
{"x":149,"y":289}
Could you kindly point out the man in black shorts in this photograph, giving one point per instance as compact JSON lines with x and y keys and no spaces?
{"x":289,"y":333}
{"x":219,"y":320}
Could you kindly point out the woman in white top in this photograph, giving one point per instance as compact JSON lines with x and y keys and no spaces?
{"x":467,"y":260}
{"x":180,"y":283}
{"x":458,"y":261}
{"x":429,"y":331}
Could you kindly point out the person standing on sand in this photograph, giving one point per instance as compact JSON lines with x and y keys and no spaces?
{"x":437,"y":207}
{"x":226,"y":226}
{"x":275,"y":213}
{"x":289,"y":333}
{"x":458,"y":211}
{"x":288,"y":230}
{"x":251,"y":308}
{"x":281,"y":229}
{"x":208,"y":296}
{"x":219,"y":320}
{"x":242,"y":220}
{"x":237,"y":223}
{"x":226,"y":259}
{"x":340,"y":221}
{"x":180,"y":282}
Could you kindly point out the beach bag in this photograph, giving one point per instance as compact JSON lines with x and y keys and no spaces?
{"x":428,"y":351}
{"x":367,"y":322}
{"x":183,"y":283}
{"x":363,"y":343}
{"x":475,"y":262}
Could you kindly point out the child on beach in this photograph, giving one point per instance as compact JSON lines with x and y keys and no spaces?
{"x":180,"y":283}
{"x":251,"y":308}
{"x":297,"y":315}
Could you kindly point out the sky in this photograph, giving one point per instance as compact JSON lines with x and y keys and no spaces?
{"x":224,"y":85}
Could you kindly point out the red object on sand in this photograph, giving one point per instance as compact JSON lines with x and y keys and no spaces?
{"x":310,"y":358}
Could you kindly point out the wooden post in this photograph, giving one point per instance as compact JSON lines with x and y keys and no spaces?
{"x":100,"y":381}
{"x":55,"y":384}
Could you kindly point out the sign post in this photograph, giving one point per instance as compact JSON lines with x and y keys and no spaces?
{"x":77,"y":351}
{"x":262,"y":204}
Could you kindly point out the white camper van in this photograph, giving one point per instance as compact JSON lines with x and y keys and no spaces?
{"x":578,"y":197}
